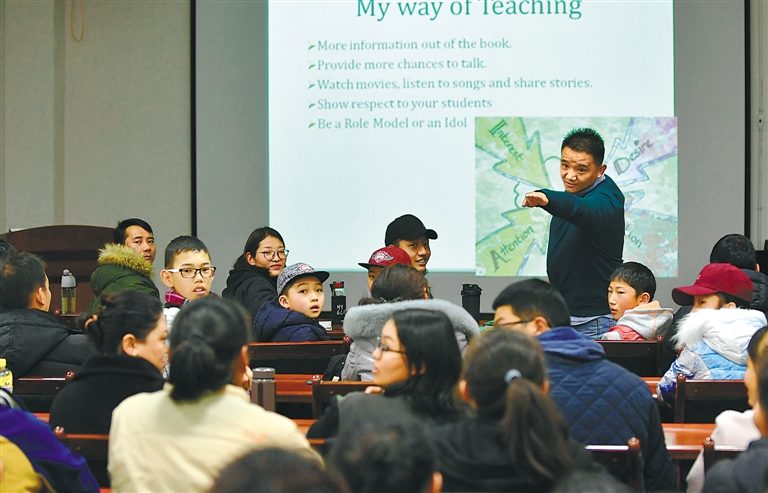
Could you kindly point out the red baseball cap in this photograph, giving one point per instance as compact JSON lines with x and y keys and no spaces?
{"x":387,"y":256}
{"x":716,"y":278}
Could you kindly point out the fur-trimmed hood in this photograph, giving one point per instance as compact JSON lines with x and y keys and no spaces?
{"x":125,"y":256}
{"x":726,"y":331}
{"x":368,"y":320}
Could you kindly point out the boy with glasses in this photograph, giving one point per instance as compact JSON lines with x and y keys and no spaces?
{"x":188,"y":274}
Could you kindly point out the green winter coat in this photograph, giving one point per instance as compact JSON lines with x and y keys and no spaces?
{"x":120,"y":269}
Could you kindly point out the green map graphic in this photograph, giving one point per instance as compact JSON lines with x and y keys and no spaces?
{"x":514,"y":156}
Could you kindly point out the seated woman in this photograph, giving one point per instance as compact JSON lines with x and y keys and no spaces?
{"x":180,"y":438}
{"x":416,"y":366}
{"x":397,"y":287}
{"x":518,"y":441}
{"x":253,"y":280}
{"x":129,"y":332}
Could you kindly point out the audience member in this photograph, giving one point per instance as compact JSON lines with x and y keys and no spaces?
{"x":130,"y":334}
{"x":714,"y":336}
{"x":388,"y":452}
{"x":181,"y":437}
{"x":32,"y":341}
{"x":188,"y":274}
{"x":732,"y":428}
{"x":518,"y":441}
{"x":384,"y":257}
{"x":125,"y":264}
{"x":253,"y":279}
{"x":398,"y":287}
{"x":586,"y":482}
{"x":603,"y":403}
{"x":417,"y":365}
{"x":747,"y":473}
{"x":630,"y":295}
{"x":58,"y":467}
{"x":737,"y":250}
{"x":275,"y":470}
{"x":410,"y":234}
{"x":6,"y":250}
{"x":294,"y":318}
{"x":586,"y":234}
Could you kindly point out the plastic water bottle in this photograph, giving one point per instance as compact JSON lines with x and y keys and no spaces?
{"x":338,"y":302}
{"x":68,"y":293}
{"x":470,"y":299}
{"x":6,"y":377}
{"x":264,"y":390}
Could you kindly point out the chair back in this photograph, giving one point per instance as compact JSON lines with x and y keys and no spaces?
{"x":701,"y":401}
{"x":94,"y":448}
{"x":38,"y":392}
{"x":323,"y":392}
{"x":623,"y":461}
{"x":713,"y":454}
{"x":296,"y":357}
{"x":639,"y":357}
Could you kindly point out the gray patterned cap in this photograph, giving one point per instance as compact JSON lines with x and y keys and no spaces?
{"x":292,"y":272}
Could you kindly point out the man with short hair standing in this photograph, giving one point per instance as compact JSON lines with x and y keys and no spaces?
{"x":586,"y":235}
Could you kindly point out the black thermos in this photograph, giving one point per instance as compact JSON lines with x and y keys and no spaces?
{"x":470,"y":299}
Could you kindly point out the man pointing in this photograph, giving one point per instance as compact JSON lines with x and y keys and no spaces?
{"x":586,"y":235}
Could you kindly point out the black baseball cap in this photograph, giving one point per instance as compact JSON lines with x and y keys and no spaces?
{"x":407,"y":227}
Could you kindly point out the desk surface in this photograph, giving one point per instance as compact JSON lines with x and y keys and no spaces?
{"x":686,"y":440}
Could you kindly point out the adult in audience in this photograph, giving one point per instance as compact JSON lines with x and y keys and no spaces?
{"x":586,"y":234}
{"x":6,"y":250}
{"x":603,"y":403}
{"x":737,"y":250}
{"x":130,"y":334}
{"x":518,"y":441}
{"x":396,"y":288}
{"x":388,"y":452}
{"x":410,"y":234}
{"x":181,"y":437}
{"x":275,"y":470}
{"x":253,"y":280}
{"x":749,"y":471}
{"x":417,"y":365}
{"x":32,"y":341}
{"x":125,"y":264}
{"x":732,"y":428}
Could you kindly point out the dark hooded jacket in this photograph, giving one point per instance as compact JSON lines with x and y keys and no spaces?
{"x":120,"y":269}
{"x":34,"y":343}
{"x":746,"y":473}
{"x":273,"y":323}
{"x":604,"y":403}
{"x":251,"y":286}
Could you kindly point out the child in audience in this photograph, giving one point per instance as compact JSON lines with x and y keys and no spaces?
{"x":300,"y":301}
{"x":735,"y":429}
{"x":188,"y":274}
{"x":749,"y":471}
{"x":181,"y":437}
{"x":518,"y":441}
{"x":714,"y":336}
{"x":630,"y":296}
{"x":384,"y":257}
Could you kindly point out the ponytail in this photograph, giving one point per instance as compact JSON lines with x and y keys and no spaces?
{"x":207,"y":337}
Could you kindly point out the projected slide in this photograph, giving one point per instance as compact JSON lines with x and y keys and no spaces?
{"x":373,"y":107}
{"x":517,"y":155}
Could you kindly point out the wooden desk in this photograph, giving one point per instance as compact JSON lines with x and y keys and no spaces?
{"x":44,"y":417}
{"x":686,"y":440}
{"x":336,"y":334}
{"x":293,"y":387}
{"x":304,"y":424}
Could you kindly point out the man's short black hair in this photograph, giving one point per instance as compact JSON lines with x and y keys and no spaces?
{"x":6,"y":250}
{"x":639,"y":277}
{"x":119,"y":234}
{"x":20,"y":277}
{"x":586,"y":140}
{"x":183,"y":244}
{"x":734,"y":249}
{"x":533,"y":298}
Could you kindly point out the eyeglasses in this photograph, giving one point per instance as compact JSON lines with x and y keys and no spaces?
{"x":510,"y":324}
{"x":190,"y":273}
{"x":270,"y":254}
{"x":384,"y":348}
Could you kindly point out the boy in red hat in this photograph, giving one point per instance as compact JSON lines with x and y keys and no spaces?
{"x":715,"y":335}
{"x":384,"y":257}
